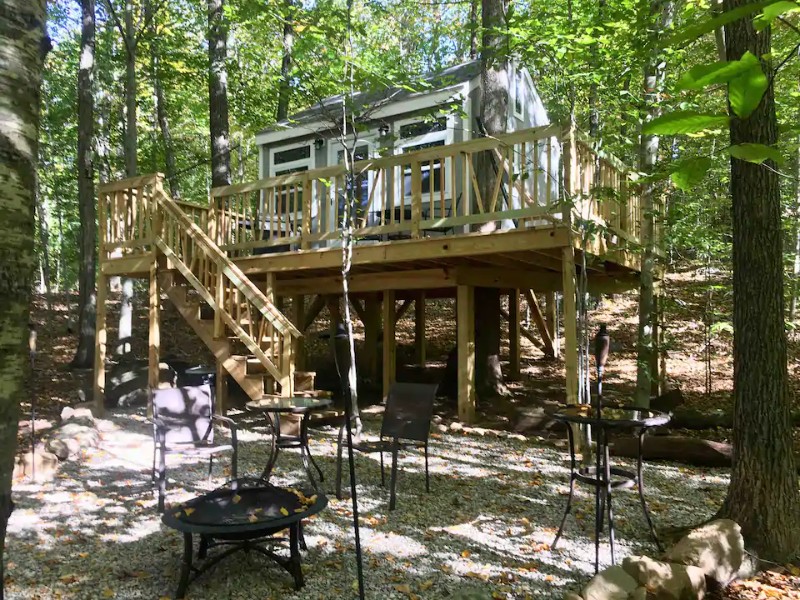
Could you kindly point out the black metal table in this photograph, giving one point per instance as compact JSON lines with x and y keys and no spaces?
{"x":604,"y":477}
{"x":243,"y":515}
{"x":297,"y":405}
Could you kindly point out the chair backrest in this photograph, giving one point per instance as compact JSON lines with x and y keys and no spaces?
{"x":186,"y":413}
{"x":408,"y":413}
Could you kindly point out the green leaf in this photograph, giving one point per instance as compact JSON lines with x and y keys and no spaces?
{"x":772,"y":12}
{"x":746,"y":90}
{"x":719,"y":72}
{"x":690,"y":172}
{"x":755,"y":153}
{"x":683,"y":121}
{"x":699,"y":29}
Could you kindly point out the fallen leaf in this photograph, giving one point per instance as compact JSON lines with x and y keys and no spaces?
{"x":403,"y":588}
{"x":284,"y":512}
{"x":236,"y":499}
{"x":188,"y":511}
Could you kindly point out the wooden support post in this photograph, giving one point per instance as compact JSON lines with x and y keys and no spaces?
{"x":372,"y":333}
{"x":221,"y":388}
{"x":389,"y":343}
{"x":513,"y":335}
{"x":100,"y":346}
{"x":219,"y":297}
{"x":551,"y":320}
{"x":419,"y":328}
{"x":570,"y":326}
{"x":313,"y":311}
{"x":154,"y":335}
{"x":299,"y":308}
{"x":402,"y":310}
{"x":656,"y":371}
{"x":465,"y":309}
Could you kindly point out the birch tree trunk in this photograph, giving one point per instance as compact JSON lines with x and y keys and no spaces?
{"x":43,"y":223}
{"x":763,"y":493}
{"x":662,"y":13}
{"x":84,"y":356}
{"x":218,"y":94}
{"x":23,"y":45}
{"x":285,"y":90}
{"x":131,"y":146}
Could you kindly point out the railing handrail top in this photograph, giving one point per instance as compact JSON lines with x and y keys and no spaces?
{"x":129,"y":182}
{"x":531,"y":134}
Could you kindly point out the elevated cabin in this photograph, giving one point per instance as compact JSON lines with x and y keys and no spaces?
{"x":429,"y":223}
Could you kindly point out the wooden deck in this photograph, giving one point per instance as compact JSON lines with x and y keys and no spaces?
{"x":426,"y":226}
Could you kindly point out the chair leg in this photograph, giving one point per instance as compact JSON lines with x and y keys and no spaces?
{"x":393,"y":482}
{"x":210,"y":467}
{"x":427,"y":474}
{"x":383,"y":476}
{"x":153,"y":472}
{"x":162,"y":478}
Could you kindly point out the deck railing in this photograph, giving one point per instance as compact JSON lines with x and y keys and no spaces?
{"x":125,"y":214}
{"x":435,"y":190}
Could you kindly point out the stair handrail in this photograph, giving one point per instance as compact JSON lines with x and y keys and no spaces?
{"x":234,"y":274}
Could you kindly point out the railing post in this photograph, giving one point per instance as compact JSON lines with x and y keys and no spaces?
{"x":305,"y":227}
{"x":570,"y":159}
{"x":219,"y":298}
{"x":416,"y":197}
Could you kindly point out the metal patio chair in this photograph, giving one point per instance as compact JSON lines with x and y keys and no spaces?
{"x":183,"y":423}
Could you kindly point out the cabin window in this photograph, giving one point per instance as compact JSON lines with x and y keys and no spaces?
{"x":361,"y":184}
{"x":284,"y":161}
{"x":422,"y":134}
{"x":519,"y":95}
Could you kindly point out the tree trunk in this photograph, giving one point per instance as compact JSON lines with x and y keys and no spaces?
{"x":795,"y":280}
{"x":473,"y":29}
{"x":218,"y":94}
{"x":84,"y":356}
{"x":494,"y":116}
{"x":285,"y":90}
{"x":22,"y":37}
{"x":661,"y":16}
{"x":161,"y":104}
{"x":131,"y":146}
{"x":763,"y":495}
{"x":42,"y":217}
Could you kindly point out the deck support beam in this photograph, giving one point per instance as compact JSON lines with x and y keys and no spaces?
{"x":538,"y":320}
{"x":465,"y":323}
{"x":570,"y":326}
{"x":298,"y":316}
{"x":419,"y":329}
{"x":100,"y":346}
{"x":372,"y":333}
{"x":313,"y":312}
{"x":154,"y":335}
{"x":513,"y":335}
{"x":389,"y":343}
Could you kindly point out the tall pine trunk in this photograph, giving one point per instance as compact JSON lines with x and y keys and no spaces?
{"x":285,"y":89}
{"x":763,"y":495}
{"x":131,"y":146}
{"x":170,"y":169}
{"x":218,"y":94}
{"x":23,"y":43}
{"x":494,"y":116}
{"x":84,"y":356}
{"x":662,"y":13}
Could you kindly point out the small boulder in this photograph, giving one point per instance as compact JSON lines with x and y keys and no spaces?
{"x":613,"y":583}
{"x":639,"y":593}
{"x":42,"y":465}
{"x":77,"y":436}
{"x":666,"y":581}
{"x":717,"y":548}
{"x":572,"y":596}
{"x":80,"y":416}
{"x":59,"y":448}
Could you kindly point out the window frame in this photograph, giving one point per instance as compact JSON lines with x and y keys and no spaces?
{"x":519,"y":93}
{"x":401,"y":144}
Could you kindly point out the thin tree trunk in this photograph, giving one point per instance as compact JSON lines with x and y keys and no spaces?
{"x":161,"y":104}
{"x":285,"y":89}
{"x":218,"y":94}
{"x":795,"y":284}
{"x":24,"y":44}
{"x":84,"y":355}
{"x":43,"y":222}
{"x":594,"y":109}
{"x":473,"y":29}
{"x":494,"y":116}
{"x":763,"y":493}
{"x":131,"y":146}
{"x":661,"y":16}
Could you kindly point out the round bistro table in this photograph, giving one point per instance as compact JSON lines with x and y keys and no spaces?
{"x":274,"y":407}
{"x":242,"y":515}
{"x":605,"y":420}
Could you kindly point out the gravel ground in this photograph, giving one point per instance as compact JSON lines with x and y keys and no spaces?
{"x":484,"y":531}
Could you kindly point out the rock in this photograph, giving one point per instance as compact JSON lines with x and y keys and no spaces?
{"x":611,"y":584}
{"x":81,"y":416}
{"x":572,"y":596}
{"x":639,"y":593}
{"x":59,"y":448}
{"x":41,"y":464}
{"x":456,"y":426}
{"x":77,"y":437}
{"x":716,"y":548}
{"x":441,"y":428}
{"x":666,"y":581}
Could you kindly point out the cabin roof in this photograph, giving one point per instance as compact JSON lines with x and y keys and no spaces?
{"x":451,"y":77}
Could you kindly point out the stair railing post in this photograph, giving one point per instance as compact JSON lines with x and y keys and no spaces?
{"x":219,"y":298}
{"x":416,"y":196}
